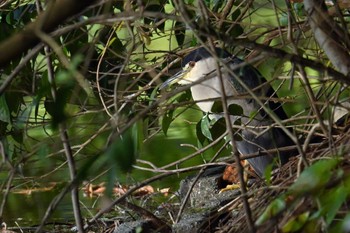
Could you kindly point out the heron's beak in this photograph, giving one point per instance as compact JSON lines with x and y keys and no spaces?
{"x":175,"y":79}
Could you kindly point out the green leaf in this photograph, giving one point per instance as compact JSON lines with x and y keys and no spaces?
{"x":283,"y":19}
{"x":235,"y":110}
{"x":166,"y":121}
{"x":75,"y":41}
{"x":65,"y":79}
{"x":312,"y":226}
{"x":23,"y":117}
{"x":273,"y":209}
{"x":217,"y":107}
{"x":122,"y":152}
{"x":217,"y":5}
{"x":235,"y":14}
{"x":151,"y":20}
{"x":345,"y":223}
{"x":57,"y":109}
{"x":138,"y":134}
{"x":9,"y":18}
{"x":184,"y":96}
{"x":194,"y":41}
{"x":205,"y":127}
{"x":253,"y":114}
{"x":5,"y":115}
{"x":200,"y":137}
{"x":314,"y":177}
{"x":14,"y":102}
{"x":43,"y":151}
{"x":299,"y":8}
{"x":180,"y":32}
{"x":236,"y":31}
{"x":331,"y":201}
{"x":17,"y":135}
{"x":268,"y":173}
{"x":153,"y":96}
{"x":218,"y":127}
{"x":296,"y":223}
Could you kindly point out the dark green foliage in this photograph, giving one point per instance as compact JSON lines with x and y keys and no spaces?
{"x":167,"y":119}
{"x":66,"y":84}
{"x":75,"y":41}
{"x":217,"y":107}
{"x":200,"y":136}
{"x":20,"y":16}
{"x":57,"y":108}
{"x":154,"y":21}
{"x":233,"y":109}
{"x":299,"y":8}
{"x":116,"y":59}
{"x":168,"y":116}
{"x":210,"y":128}
{"x":205,"y":127}
{"x":179,"y":31}
{"x":218,"y":128}
{"x":5,"y":115}
{"x":122,"y":152}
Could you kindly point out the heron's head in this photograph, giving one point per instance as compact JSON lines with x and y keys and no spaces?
{"x":196,"y":65}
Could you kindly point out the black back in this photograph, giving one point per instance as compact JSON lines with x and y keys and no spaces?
{"x":202,"y":53}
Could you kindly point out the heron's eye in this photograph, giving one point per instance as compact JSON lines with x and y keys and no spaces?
{"x":191,"y":64}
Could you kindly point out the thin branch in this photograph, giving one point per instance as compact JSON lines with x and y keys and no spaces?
{"x":279,"y":53}
{"x":19,"y":67}
{"x":64,"y":137}
{"x":240,"y":169}
{"x":72,"y":172}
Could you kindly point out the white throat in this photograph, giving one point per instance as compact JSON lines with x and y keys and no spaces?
{"x":210,"y":87}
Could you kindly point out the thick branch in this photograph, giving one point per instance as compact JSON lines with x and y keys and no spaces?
{"x":57,"y":11}
{"x":319,"y":22}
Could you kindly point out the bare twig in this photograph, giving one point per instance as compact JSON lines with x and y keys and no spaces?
{"x":240,"y":169}
{"x":63,"y":129}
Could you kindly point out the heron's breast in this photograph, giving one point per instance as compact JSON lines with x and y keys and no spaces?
{"x":209,"y":91}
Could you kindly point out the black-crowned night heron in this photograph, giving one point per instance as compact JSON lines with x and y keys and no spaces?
{"x":257,"y":134}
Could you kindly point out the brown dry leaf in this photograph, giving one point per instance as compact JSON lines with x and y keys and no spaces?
{"x":165,"y":191}
{"x":148,"y":189}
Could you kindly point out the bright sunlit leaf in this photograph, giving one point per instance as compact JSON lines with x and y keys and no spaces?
{"x":205,"y":127}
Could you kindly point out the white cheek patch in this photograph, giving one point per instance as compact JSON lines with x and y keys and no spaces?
{"x":186,"y":76}
{"x":195,"y":72}
{"x":185,"y":79}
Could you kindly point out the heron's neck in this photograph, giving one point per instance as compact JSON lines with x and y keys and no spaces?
{"x":210,"y":89}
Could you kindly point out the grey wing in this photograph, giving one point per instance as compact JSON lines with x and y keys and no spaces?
{"x":272,"y":139}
